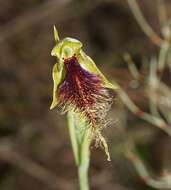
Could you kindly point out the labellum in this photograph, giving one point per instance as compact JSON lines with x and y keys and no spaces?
{"x":79,"y":85}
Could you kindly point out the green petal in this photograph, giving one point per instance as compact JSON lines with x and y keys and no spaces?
{"x":72,"y":43}
{"x":57,"y":76}
{"x":66,"y":44}
{"x":90,"y":66}
{"x":56,"y":51}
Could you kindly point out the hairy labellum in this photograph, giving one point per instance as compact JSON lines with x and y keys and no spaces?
{"x":84,"y":92}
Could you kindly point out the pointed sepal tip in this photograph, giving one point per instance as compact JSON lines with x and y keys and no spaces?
{"x":56,"y":35}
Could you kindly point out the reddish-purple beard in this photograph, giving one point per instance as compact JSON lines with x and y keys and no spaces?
{"x":84,"y":92}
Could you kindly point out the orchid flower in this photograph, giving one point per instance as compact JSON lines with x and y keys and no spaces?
{"x":81,"y":90}
{"x":79,"y":86}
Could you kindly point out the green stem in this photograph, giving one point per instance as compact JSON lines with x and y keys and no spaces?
{"x":83,"y":178}
{"x":84,"y":162}
{"x":73,"y":137}
{"x":81,"y":148}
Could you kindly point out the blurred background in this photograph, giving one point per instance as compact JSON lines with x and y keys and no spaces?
{"x":35,"y":150}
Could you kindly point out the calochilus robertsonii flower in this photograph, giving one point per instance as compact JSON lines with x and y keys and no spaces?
{"x":80,"y":86}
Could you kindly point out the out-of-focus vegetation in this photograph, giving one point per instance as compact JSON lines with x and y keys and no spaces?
{"x":35,"y":151}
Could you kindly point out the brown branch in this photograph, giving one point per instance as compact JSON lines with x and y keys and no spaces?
{"x":155,"y":121}
{"x":35,"y":170}
{"x":146,"y":28}
{"x":32,"y":17}
{"x":56,"y":8}
{"x":159,"y":182}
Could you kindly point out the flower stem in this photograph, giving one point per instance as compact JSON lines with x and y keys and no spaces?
{"x":83,"y":176}
{"x":80,"y":139}
{"x":73,"y":138}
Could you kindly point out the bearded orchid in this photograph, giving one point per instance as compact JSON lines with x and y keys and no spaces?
{"x":81,"y":90}
{"x":79,"y":86}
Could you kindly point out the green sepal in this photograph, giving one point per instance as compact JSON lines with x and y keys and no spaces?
{"x":56,"y":75}
{"x":87,"y":63}
{"x":56,"y":36}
